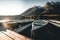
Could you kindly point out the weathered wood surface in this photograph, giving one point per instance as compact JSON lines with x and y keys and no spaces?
{"x":10,"y":35}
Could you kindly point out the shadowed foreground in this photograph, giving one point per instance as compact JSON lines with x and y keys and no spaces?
{"x":48,"y":32}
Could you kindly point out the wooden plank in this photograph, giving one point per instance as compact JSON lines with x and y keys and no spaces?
{"x":19,"y":36}
{"x":4,"y":37}
{"x":11,"y":35}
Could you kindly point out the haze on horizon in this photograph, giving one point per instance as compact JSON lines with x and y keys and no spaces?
{"x":16,"y":7}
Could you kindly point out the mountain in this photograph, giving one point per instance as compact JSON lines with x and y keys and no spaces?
{"x":48,"y":8}
{"x":36,"y":10}
{"x":52,"y":7}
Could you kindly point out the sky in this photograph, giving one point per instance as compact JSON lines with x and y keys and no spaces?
{"x":17,"y":7}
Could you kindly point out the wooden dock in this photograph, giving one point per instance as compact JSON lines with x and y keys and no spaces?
{"x":11,"y":35}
